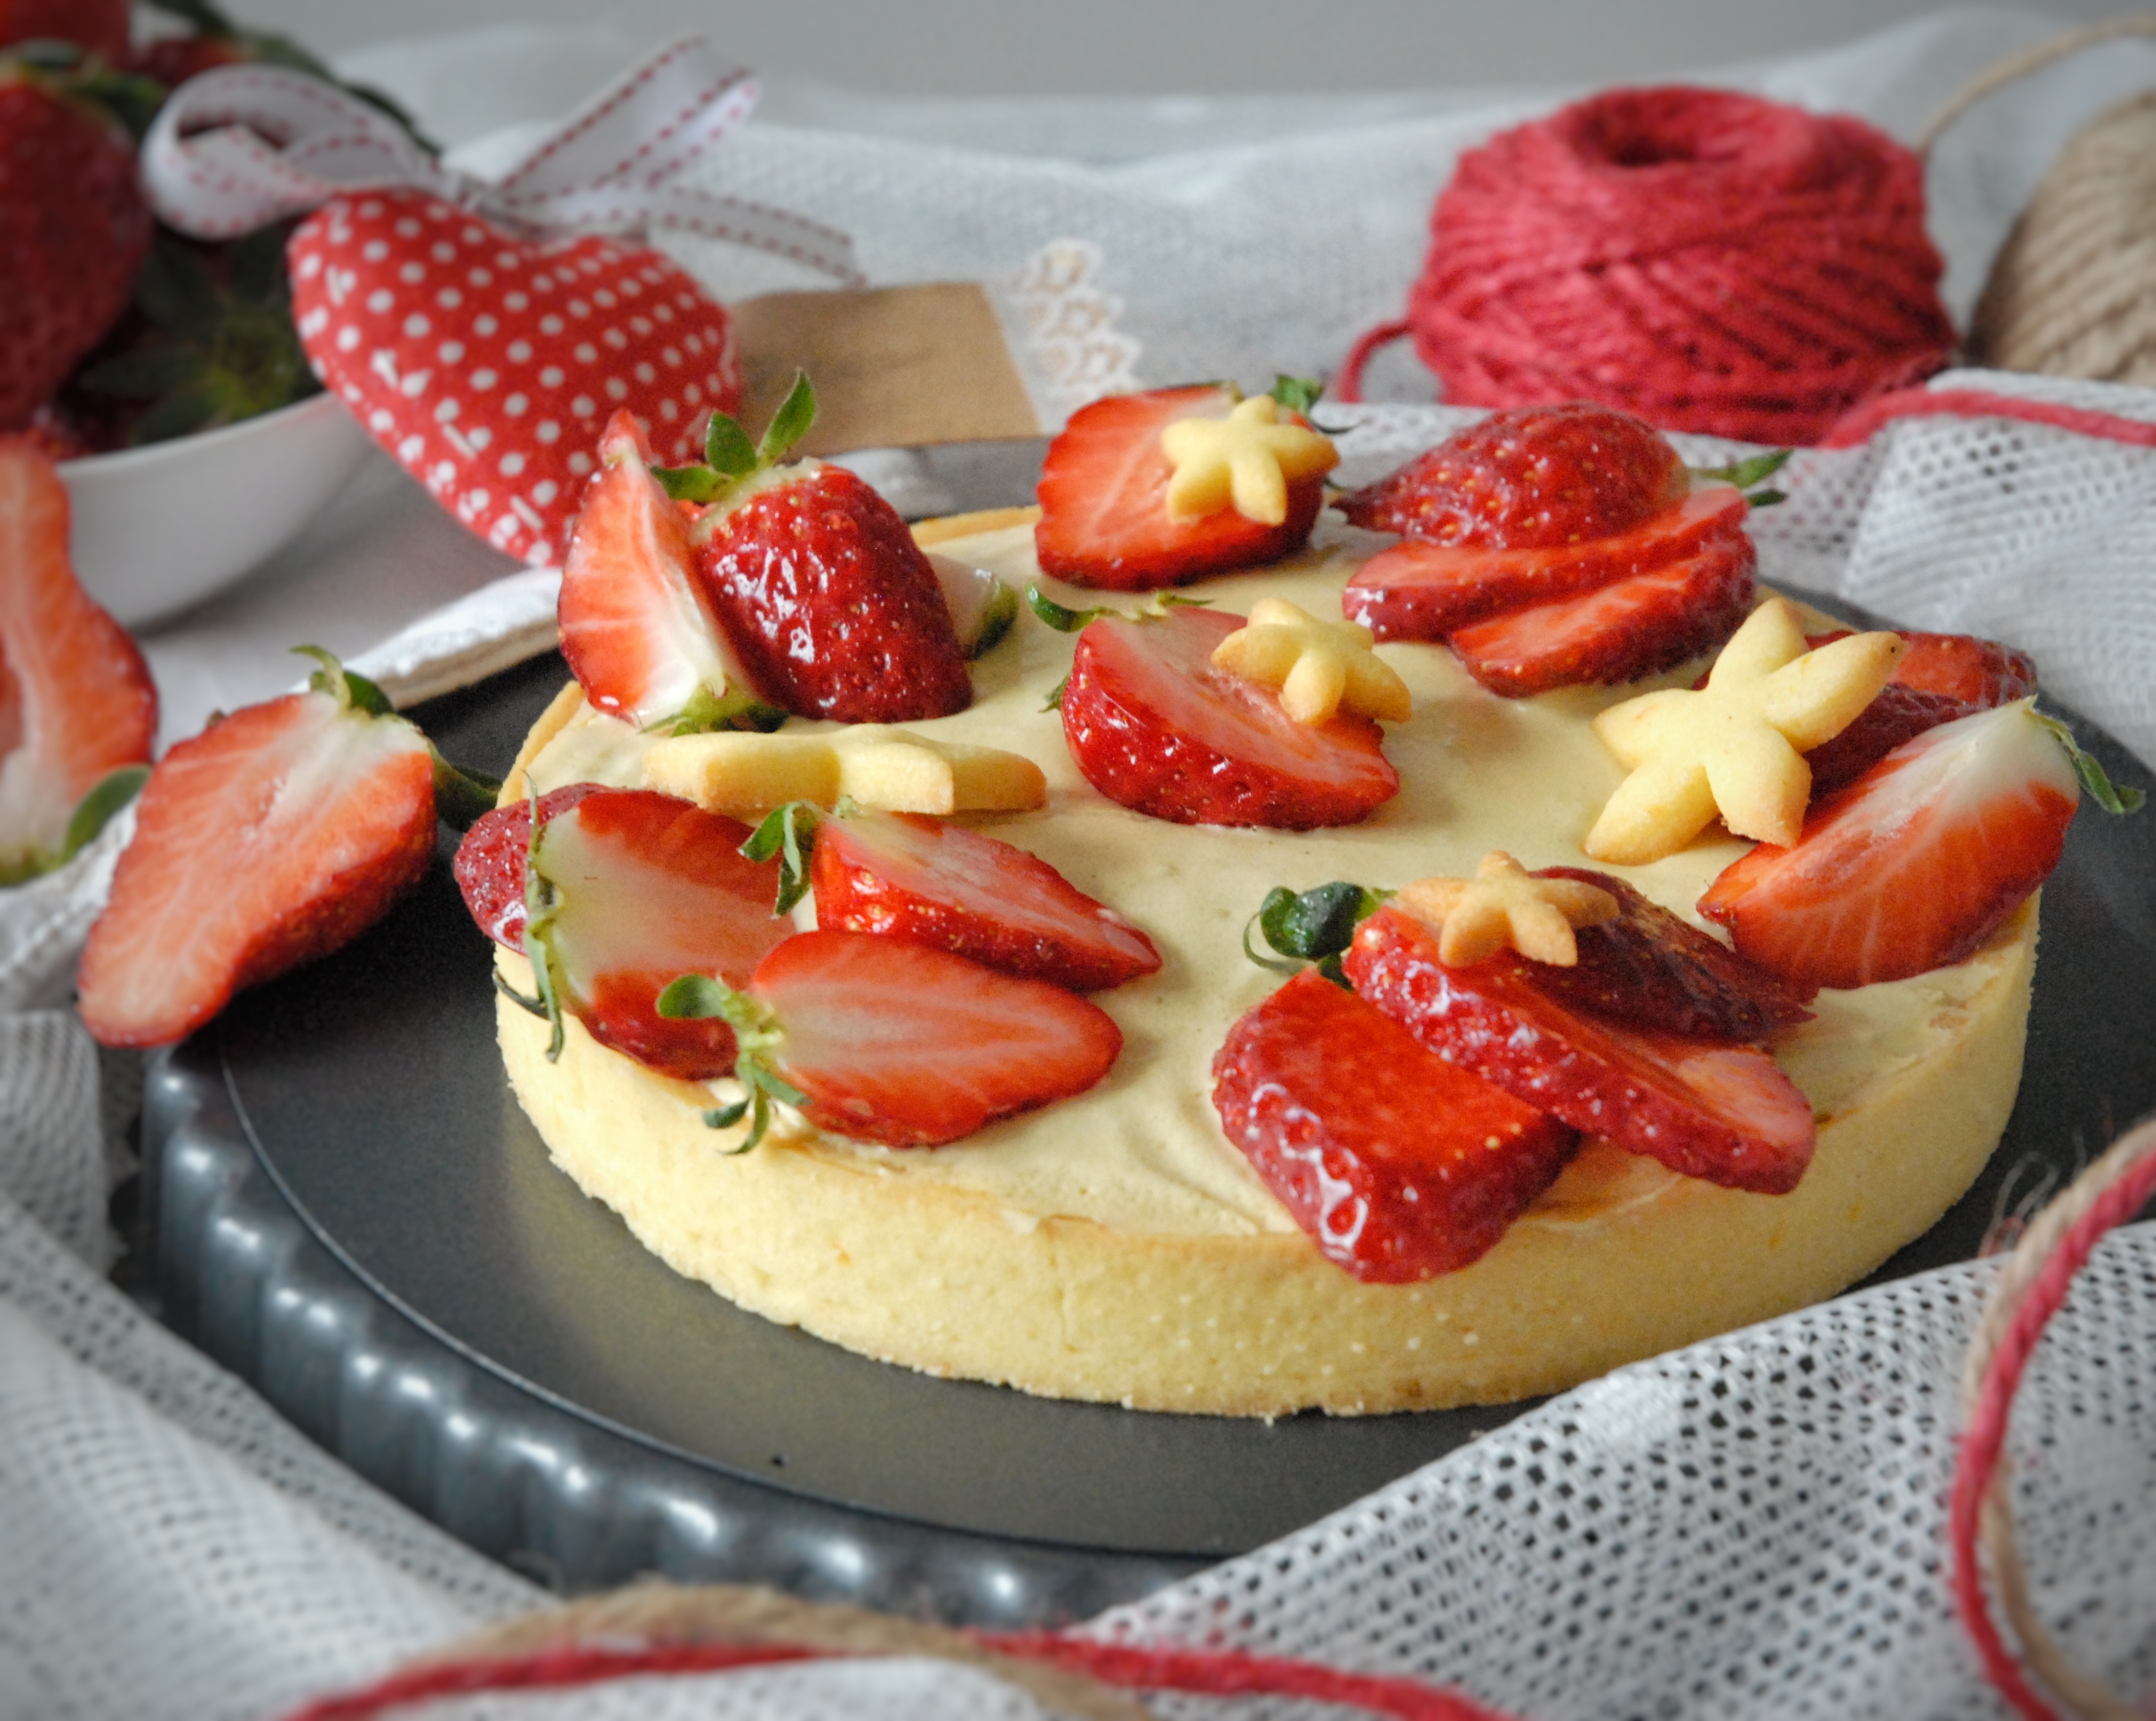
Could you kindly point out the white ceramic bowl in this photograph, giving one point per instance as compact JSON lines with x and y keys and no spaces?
{"x":159,"y":528}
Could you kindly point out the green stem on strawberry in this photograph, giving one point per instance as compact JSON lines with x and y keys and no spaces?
{"x":100,"y":806}
{"x":731,"y":462}
{"x":1746,"y":474}
{"x":788,"y":832}
{"x":543,"y":902}
{"x":757,"y":1033}
{"x":707,"y":713}
{"x":2108,"y":795}
{"x":1065,"y":620}
{"x":1311,"y":928}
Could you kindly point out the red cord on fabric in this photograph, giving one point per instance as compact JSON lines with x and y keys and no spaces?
{"x":1986,"y":1437}
{"x":1710,"y":261}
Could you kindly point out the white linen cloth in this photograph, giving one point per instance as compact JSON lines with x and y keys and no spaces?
{"x":1751,"y":1527}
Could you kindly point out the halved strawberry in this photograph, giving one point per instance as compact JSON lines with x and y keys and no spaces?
{"x":1418,"y":590}
{"x":1635,"y":627}
{"x":1651,"y":969}
{"x":1397,"y":1164}
{"x":1723,"y":1113}
{"x":273,"y":837}
{"x":1529,"y":478}
{"x":1152,"y":724}
{"x":635,"y":887}
{"x":76,"y":701}
{"x":890,"y":1040}
{"x":637,"y":627}
{"x":1914,"y":864}
{"x":815,"y":580}
{"x":1103,"y":492}
{"x":973,"y":894}
{"x":1941,"y":677}
{"x":491,"y":863}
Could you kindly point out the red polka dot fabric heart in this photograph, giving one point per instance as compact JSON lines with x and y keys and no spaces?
{"x":488,"y":364}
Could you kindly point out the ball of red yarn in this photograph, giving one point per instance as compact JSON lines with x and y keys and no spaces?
{"x":1710,"y":261}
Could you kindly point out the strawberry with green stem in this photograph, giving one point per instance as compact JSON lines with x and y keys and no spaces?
{"x":886,"y":1040}
{"x":611,"y":893}
{"x":78,"y":709}
{"x":1920,"y":859}
{"x":833,"y":608}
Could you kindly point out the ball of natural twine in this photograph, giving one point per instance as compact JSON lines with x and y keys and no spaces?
{"x":2073,"y":291}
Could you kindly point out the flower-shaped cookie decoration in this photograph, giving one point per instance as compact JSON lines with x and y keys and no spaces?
{"x":1504,"y":906}
{"x":1246,"y":459}
{"x":1317,"y":666}
{"x":1734,"y":748}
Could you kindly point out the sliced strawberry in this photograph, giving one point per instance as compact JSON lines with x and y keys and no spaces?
{"x":1723,"y":1113}
{"x":1941,"y":677}
{"x":1913,"y":865}
{"x":1422,"y":591}
{"x":1529,"y":478}
{"x":1635,"y":627}
{"x":1103,"y":492}
{"x":833,"y":606}
{"x":1397,"y":1164}
{"x":972,"y":894}
{"x":1152,"y":724}
{"x":1980,"y":673}
{"x":637,"y":627}
{"x":273,"y":837}
{"x":644,"y":887}
{"x":1648,"y":969}
{"x":895,"y":1042}
{"x":76,"y":701}
{"x":491,"y":863}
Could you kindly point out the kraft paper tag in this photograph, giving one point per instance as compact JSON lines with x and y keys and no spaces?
{"x":893,"y":367}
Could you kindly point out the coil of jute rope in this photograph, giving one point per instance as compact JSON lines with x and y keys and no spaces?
{"x":2072,"y":291}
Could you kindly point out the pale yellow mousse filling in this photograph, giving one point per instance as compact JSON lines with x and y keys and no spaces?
{"x":1114,"y":1247}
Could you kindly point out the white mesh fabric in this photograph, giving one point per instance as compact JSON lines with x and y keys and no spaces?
{"x":1753,"y":1527}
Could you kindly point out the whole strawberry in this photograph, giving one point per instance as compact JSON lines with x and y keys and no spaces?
{"x":834,"y":610}
{"x":73,"y":231}
{"x":99,"y":27}
{"x":1529,"y":478}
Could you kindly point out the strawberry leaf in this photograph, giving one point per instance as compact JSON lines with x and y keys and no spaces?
{"x":789,"y":424}
{"x":2108,"y":795}
{"x":708,"y":712}
{"x":727,"y":450}
{"x":1297,"y":394}
{"x":1753,"y":469}
{"x":1314,"y":926}
{"x":697,"y":997}
{"x":541,"y":904}
{"x":96,"y":809}
{"x":462,"y":795}
{"x":1064,"y":620}
{"x":691,"y":484}
{"x":790,"y":832}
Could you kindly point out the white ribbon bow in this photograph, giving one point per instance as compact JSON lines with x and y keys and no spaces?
{"x":242,"y":145}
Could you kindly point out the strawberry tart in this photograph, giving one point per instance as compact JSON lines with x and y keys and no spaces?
{"x":1178,"y":999}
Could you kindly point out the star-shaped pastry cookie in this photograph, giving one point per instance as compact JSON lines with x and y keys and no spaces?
{"x":1245,"y":459}
{"x":1317,"y":666}
{"x":1504,"y":906}
{"x":1735,"y":747}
